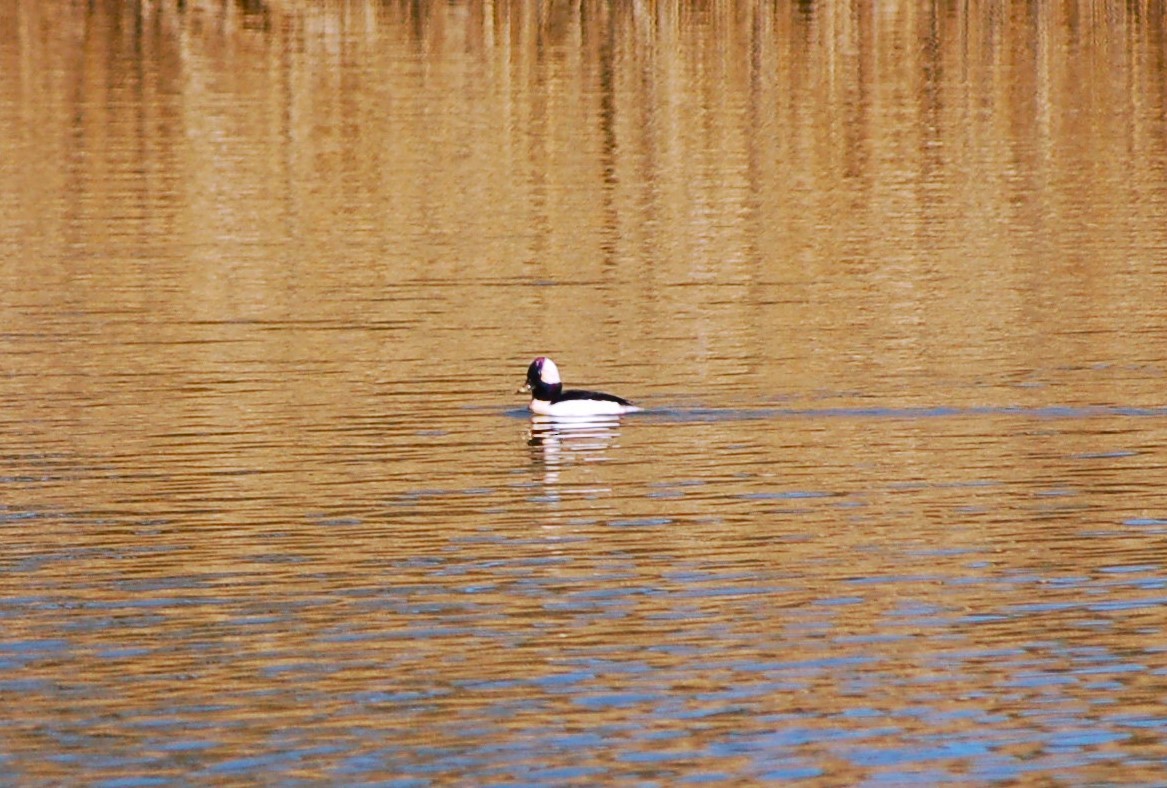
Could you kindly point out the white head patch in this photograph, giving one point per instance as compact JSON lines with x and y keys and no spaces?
{"x":549,"y":373}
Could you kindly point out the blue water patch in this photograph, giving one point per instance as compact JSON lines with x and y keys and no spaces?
{"x":270,"y":762}
{"x":17,"y":687}
{"x":640,"y":522}
{"x":1145,"y":521}
{"x":568,"y":774}
{"x":839,"y":601}
{"x":616,"y":700}
{"x":187,"y":745}
{"x":1138,"y":721}
{"x":1119,"y":605}
{"x":338,"y":522}
{"x":1104,"y":455}
{"x":564,"y":680}
{"x":1085,"y":738}
{"x":20,"y":650}
{"x":133,"y":782}
{"x":792,"y":772}
{"x":785,"y":495}
{"x":1123,"y":569}
{"x":944,"y":552}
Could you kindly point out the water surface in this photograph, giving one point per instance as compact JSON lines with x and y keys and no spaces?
{"x":888,"y":280}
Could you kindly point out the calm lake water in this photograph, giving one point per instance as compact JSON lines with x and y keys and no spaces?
{"x":890,"y":279}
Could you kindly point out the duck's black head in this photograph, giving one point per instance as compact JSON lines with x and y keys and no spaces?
{"x":543,"y":379}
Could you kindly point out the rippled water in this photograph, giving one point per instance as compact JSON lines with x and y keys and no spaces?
{"x":888,"y":281}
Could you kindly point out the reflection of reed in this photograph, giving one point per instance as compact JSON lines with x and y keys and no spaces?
{"x":862,"y":200}
{"x":874,"y":181}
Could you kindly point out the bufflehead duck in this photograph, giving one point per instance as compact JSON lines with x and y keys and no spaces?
{"x":549,"y":399}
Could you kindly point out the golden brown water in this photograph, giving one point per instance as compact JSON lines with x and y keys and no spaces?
{"x":890,"y":279}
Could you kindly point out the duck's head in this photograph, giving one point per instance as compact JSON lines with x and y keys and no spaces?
{"x":543,"y":379}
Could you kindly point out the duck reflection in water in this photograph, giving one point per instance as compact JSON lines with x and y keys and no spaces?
{"x":557,"y":442}
{"x":593,"y":434}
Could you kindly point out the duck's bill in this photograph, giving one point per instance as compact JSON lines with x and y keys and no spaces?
{"x":523,"y":389}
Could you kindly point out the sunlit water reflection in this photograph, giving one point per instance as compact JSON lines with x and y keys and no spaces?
{"x":886,"y":283}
